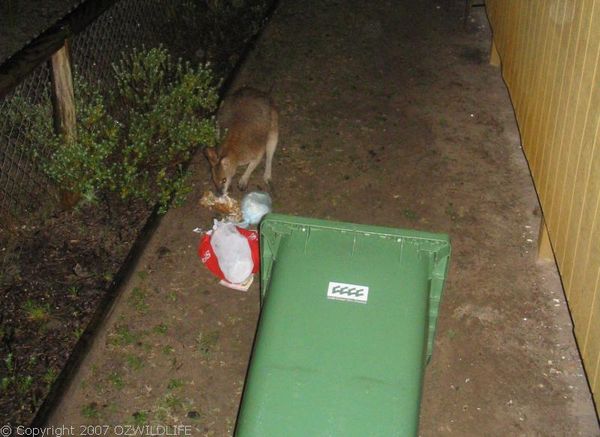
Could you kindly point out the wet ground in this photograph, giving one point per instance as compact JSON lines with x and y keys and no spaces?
{"x":390,"y":115}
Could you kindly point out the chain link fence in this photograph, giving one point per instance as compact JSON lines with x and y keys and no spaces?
{"x":127,"y":24}
{"x":198,"y":30}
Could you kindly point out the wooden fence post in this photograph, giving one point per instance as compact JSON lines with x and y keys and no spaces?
{"x":63,"y":98}
{"x":63,"y":103}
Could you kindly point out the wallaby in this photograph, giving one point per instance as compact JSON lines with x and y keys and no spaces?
{"x":250,"y":124}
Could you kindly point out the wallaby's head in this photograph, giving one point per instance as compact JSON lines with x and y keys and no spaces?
{"x":222,"y":169}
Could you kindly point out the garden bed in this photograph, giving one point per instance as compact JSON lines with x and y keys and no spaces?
{"x":62,"y":269}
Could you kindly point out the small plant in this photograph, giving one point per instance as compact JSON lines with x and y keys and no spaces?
{"x":24,"y":384}
{"x":8,"y":380}
{"x":36,"y":312}
{"x":137,"y":299}
{"x":116,"y":380}
{"x":90,"y":411}
{"x":78,"y":332}
{"x":168,"y":350}
{"x":50,"y":376}
{"x":174,"y":384}
{"x":161,"y":328}
{"x":134,"y":362}
{"x":140,"y":418}
{"x":172,"y":402}
{"x":122,"y":336}
{"x":206,"y":342}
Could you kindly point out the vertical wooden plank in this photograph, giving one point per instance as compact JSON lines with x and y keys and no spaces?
{"x":591,"y":346}
{"x":513,"y":41}
{"x":555,"y":25}
{"x":543,"y":80}
{"x":557,"y":126}
{"x":529,"y":60}
{"x":517,"y":56}
{"x":586,"y":110}
{"x":530,"y":134}
{"x":569,"y":151}
{"x":588,"y":254}
{"x":587,"y":132}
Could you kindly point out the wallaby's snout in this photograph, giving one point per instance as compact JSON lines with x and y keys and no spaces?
{"x":220,"y":172}
{"x":250,"y":124}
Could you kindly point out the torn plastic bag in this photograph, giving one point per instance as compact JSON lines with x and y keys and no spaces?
{"x":231,"y":253}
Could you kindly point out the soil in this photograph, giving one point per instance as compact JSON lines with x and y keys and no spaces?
{"x":58,"y":268}
{"x":53,"y":285}
{"x":390,"y":115}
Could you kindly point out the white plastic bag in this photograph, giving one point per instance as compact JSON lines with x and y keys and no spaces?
{"x":254,"y":206}
{"x":232,"y":252}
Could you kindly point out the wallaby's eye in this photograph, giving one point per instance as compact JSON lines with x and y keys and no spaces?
{"x":223,"y":181}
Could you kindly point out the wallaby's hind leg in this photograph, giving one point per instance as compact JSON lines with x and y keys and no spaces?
{"x":243,"y":182}
{"x":271,"y":146}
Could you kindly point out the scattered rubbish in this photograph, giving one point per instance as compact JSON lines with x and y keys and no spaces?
{"x":231,"y":253}
{"x":224,"y":205}
{"x":254,"y":206}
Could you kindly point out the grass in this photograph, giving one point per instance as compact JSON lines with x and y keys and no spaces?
{"x":161,"y":328}
{"x":36,"y":312}
{"x":174,"y":384}
{"x":168,"y":350}
{"x":90,"y":411}
{"x":78,"y":333}
{"x":140,"y":418}
{"x":172,"y":402}
{"x":123,"y":336}
{"x":50,"y":376}
{"x":116,"y":380}
{"x":206,"y":342}
{"x":134,"y":362}
{"x":137,"y":300}
{"x":24,"y":383}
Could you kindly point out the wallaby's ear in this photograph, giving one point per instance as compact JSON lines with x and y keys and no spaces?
{"x":211,"y":154}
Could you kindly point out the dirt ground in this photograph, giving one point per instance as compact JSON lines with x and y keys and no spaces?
{"x":390,"y":115}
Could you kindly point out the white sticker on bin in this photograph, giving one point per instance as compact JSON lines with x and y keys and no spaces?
{"x":350,"y":292}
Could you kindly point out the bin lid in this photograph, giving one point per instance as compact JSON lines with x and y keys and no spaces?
{"x":347,"y":323}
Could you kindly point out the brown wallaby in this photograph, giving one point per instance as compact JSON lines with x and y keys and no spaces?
{"x":250,"y":124}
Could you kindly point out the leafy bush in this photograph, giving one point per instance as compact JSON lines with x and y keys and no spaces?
{"x":135,"y":141}
{"x":169,"y":107}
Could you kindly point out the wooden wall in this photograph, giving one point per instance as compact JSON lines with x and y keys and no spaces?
{"x":550,"y":56}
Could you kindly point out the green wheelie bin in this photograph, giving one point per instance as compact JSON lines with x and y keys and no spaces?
{"x":346,"y":328}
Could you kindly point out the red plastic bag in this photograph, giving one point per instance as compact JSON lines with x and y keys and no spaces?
{"x":210,"y":260}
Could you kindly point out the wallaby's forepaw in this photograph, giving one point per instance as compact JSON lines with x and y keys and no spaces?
{"x":268,"y":185}
{"x":242,"y":185}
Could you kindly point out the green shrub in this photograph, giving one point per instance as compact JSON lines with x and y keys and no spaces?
{"x":135,"y":141}
{"x":169,"y":115}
